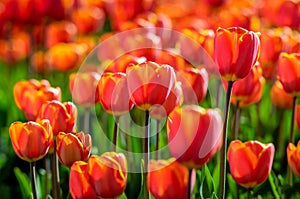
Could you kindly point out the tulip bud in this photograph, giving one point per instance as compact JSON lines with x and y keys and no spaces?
{"x":30,"y":95}
{"x":71,"y":147}
{"x":293,"y":158}
{"x":31,"y":141}
{"x":194,"y":134}
{"x":250,"y":162}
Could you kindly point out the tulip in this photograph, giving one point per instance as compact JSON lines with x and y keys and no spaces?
{"x":121,"y":63}
{"x":30,"y":95}
{"x":72,"y":147}
{"x":175,"y":179}
{"x":250,"y":162}
{"x":194,"y":83}
{"x":194,"y":134}
{"x":236,"y":51}
{"x":113,"y":93}
{"x":293,"y":158}
{"x":150,"y":84}
{"x":289,"y":72}
{"x":174,"y":99}
{"x":88,"y":19}
{"x":62,"y":116}
{"x":108,"y":174}
{"x":31,"y":141}
{"x":79,"y":185}
{"x":248,"y":90}
{"x":279,"y":97}
{"x":83,"y":87}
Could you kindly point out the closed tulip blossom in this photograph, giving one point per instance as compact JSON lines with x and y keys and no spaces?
{"x":250,"y":162}
{"x":71,"y":147}
{"x":150,"y":84}
{"x":30,"y":95}
{"x":108,"y":174}
{"x":194,"y":134}
{"x":236,"y":51}
{"x":83,"y":87}
{"x":279,"y":97}
{"x":175,"y":179}
{"x":80,"y":187}
{"x":62,"y":116}
{"x":31,"y":140}
{"x":293,"y":156}
{"x":289,"y":72}
{"x":113,"y":93}
{"x":194,"y":83}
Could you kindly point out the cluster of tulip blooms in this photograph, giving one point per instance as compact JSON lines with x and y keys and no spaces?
{"x":161,"y":84}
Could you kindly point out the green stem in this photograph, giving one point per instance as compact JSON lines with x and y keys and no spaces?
{"x":224,"y":146}
{"x":249,"y":193}
{"x":33,"y":182}
{"x":115,"y":136}
{"x":55,"y":175}
{"x":236,"y":125}
{"x":291,"y":140}
{"x":157,"y":139}
{"x":86,"y":120}
{"x":189,"y":191}
{"x":146,"y":149}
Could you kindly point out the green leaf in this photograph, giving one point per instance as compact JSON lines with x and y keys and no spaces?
{"x":123,"y":196}
{"x":272,"y":180}
{"x":24,"y":183}
{"x":207,"y":186}
{"x":232,"y":186}
{"x":216,"y":175}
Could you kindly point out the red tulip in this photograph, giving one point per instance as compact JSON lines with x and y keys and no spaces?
{"x":83,"y":87}
{"x":30,"y":95}
{"x":289,"y":72}
{"x":79,"y":185}
{"x":271,"y":46}
{"x":72,"y":147}
{"x":248,"y":90}
{"x":279,"y":97}
{"x":88,"y":19}
{"x":175,"y":179}
{"x":194,"y":134}
{"x":108,"y":174}
{"x":31,"y":141}
{"x":150,"y":84}
{"x":174,"y":99}
{"x":250,"y":162}
{"x":62,"y":116}
{"x":236,"y":51}
{"x":194,"y":83}
{"x":293,"y":156}
{"x":113,"y":93}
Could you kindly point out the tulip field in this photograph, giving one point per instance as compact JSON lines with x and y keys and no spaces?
{"x":149,"y":99}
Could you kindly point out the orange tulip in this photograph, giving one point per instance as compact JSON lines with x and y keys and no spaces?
{"x":31,"y":141}
{"x":175,"y":179}
{"x":120,"y":64}
{"x":194,"y":83}
{"x":194,"y":134}
{"x":79,"y":185}
{"x":289,"y":72}
{"x":236,"y":51}
{"x":174,"y":99}
{"x":83,"y":87}
{"x":250,"y":162}
{"x":108,"y":174}
{"x":271,"y":46}
{"x":113,"y":93}
{"x":30,"y":95}
{"x":73,"y":147}
{"x":250,"y":88}
{"x":62,"y":116}
{"x":150,"y":84}
{"x":279,"y":97}
{"x":88,"y":19}
{"x":294,"y":158}
{"x":60,"y":32}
